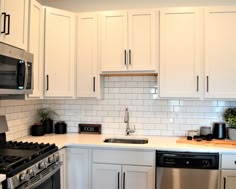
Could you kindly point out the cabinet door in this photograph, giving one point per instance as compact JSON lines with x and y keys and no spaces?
{"x":113,"y":41}
{"x":87,"y":55}
{"x":36,"y":30}
{"x":138,"y":177}
{"x":141,"y":41}
{"x":228,"y":179}
{"x":63,"y":169}
{"x":220,"y":45}
{"x":106,"y":176}
{"x":59,"y":53}
{"x":77,"y":168}
{"x":179,"y":52}
{"x":18,"y":22}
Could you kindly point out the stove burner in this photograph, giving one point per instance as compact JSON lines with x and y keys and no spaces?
{"x":16,"y":156}
{"x":8,"y":159}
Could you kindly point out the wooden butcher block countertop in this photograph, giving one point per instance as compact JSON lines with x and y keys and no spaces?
{"x":215,"y":142}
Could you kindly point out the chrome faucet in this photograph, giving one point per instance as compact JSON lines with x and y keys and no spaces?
{"x":126,"y":120}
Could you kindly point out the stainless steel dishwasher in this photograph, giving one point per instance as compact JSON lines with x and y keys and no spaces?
{"x":186,"y":170}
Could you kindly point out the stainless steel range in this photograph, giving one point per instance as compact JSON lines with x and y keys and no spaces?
{"x":29,"y":165}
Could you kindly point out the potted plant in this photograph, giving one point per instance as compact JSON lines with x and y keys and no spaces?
{"x":230,"y":118}
{"x":45,"y":115}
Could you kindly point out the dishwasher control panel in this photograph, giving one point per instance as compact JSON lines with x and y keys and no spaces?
{"x":193,"y":160}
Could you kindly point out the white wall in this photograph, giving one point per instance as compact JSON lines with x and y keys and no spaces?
{"x":151,"y":116}
{"x":99,"y":5}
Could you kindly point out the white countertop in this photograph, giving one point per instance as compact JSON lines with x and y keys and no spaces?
{"x":2,"y":178}
{"x":155,"y":143}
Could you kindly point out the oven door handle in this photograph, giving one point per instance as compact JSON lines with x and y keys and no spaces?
{"x":45,"y":178}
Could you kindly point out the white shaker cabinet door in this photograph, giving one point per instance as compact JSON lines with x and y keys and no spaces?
{"x":113,"y":47}
{"x":138,"y":177}
{"x":220,"y":51}
{"x":77,"y":168}
{"x":87,"y":60}
{"x":142,"y":40}
{"x":106,"y":176}
{"x":36,"y":31}
{"x":228,"y":179}
{"x":15,"y":32}
{"x":180,"y":52}
{"x":59,"y":53}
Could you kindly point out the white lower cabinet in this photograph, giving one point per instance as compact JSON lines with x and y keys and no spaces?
{"x":77,"y":168}
{"x":137,"y":177}
{"x":106,"y":176}
{"x":228,"y":179}
{"x":228,"y":172}
{"x":111,"y":176}
{"x":112,"y":169}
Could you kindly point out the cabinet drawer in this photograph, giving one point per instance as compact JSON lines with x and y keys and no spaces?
{"x":228,"y":162}
{"x":124,"y":157}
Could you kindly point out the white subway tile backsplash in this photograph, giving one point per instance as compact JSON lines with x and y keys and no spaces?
{"x":150,"y":115}
{"x":20,"y":114}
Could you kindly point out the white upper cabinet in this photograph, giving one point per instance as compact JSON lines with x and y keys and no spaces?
{"x":128,"y":41}
{"x":142,"y":41}
{"x":220,"y":54}
{"x":14,"y":22}
{"x":113,"y":50}
{"x":59,"y":54}
{"x":87,"y":60}
{"x":180,"y":45}
{"x":36,"y":31}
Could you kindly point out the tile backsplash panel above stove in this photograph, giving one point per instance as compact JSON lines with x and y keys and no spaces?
{"x":20,"y":114}
{"x":151,"y":116}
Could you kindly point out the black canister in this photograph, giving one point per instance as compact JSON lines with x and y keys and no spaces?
{"x":219,"y":130}
{"x":60,"y":127}
{"x":37,"y":129}
{"x":48,"y":126}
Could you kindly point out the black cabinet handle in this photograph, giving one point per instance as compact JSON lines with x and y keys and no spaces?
{"x":125,"y":58}
{"x":118,"y":180}
{"x":130,"y":57}
{"x":4,"y":22}
{"x":9,"y":24}
{"x":123,"y":180}
{"x":197,"y":83}
{"x":94,"y":84}
{"x":47,"y":78}
{"x":224,"y":183}
{"x":207,"y":80}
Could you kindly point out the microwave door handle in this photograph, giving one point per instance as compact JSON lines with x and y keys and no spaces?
{"x":26,"y":75}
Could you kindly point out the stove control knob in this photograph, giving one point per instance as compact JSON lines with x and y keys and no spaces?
{"x":56,"y":157}
{"x":30,"y":172}
{"x":22,"y":177}
{"x":41,"y":165}
{"x":51,"y":159}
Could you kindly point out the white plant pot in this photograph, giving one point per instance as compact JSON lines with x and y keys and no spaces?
{"x":232,"y":133}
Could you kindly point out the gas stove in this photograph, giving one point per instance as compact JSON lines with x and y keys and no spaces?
{"x":26,"y":164}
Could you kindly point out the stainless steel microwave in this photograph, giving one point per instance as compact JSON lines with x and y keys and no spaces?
{"x":16,"y":71}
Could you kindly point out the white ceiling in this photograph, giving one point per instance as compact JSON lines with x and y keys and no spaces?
{"x":99,"y":5}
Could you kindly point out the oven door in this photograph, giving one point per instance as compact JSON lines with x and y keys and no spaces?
{"x":47,"y":179}
{"x":53,"y":182}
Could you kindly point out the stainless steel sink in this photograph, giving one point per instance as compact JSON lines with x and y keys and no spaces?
{"x":127,"y":140}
